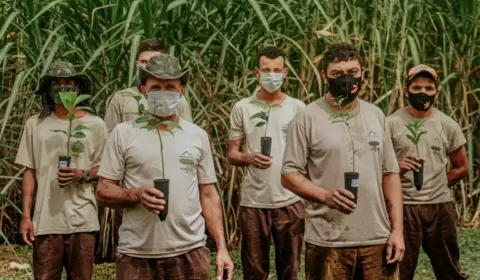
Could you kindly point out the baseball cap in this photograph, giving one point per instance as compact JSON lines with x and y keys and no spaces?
{"x":422,"y":68}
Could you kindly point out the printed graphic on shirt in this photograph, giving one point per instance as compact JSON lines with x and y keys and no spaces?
{"x":188,"y":162}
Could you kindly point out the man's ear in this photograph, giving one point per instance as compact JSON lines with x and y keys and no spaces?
{"x":439,"y":90}
{"x":405,"y":92}
{"x":285,"y":73}
{"x":136,"y":63}
{"x":143,"y":89}
{"x":182,"y":89}
{"x":257,"y":72}
{"x":363,"y":73}
{"x":324,"y":76}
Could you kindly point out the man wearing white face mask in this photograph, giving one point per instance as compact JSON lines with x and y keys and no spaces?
{"x":173,"y":247}
{"x":267,"y":209}
{"x":121,"y":107}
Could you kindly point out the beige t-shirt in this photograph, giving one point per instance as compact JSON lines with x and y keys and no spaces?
{"x":443,"y":137}
{"x":262,"y":188}
{"x":73,"y":208}
{"x":122,"y":107}
{"x":132,"y":155}
{"x":323,"y":150}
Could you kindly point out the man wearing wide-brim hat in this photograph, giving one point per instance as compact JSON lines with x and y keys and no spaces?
{"x":143,"y":150}
{"x":65,"y":216}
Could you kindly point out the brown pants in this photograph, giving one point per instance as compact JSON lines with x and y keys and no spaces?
{"x":286,"y":225}
{"x":54,"y":251}
{"x":434,"y":227}
{"x":192,"y":265}
{"x":369,"y":263}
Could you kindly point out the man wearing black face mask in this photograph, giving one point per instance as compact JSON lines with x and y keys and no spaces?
{"x":345,"y":240}
{"x":430,"y":217}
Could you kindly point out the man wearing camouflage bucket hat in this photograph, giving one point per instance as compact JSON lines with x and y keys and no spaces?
{"x":173,"y":247}
{"x":65,"y":216}
{"x":122,"y":106}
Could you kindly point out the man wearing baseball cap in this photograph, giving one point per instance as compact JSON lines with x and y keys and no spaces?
{"x":172,"y":248}
{"x":65,"y":216}
{"x":429,"y":211}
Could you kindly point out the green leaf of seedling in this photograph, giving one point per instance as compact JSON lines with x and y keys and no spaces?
{"x":80,"y":127}
{"x":77,"y":149}
{"x":141,"y":108}
{"x":412,"y":130}
{"x":151,"y":126}
{"x":137,"y":98}
{"x":57,"y":130}
{"x":259,"y":115}
{"x":85,"y":108}
{"x":172,"y":124}
{"x":79,"y":134}
{"x":412,"y":139}
{"x":68,"y":100}
{"x":420,"y":134}
{"x":338,"y":121}
{"x":260,"y":103}
{"x":71,"y":117}
{"x":81,"y":98}
{"x":171,"y":132}
{"x":260,"y":124}
{"x":351,"y":116}
{"x":275,"y":106}
{"x":144,"y":118}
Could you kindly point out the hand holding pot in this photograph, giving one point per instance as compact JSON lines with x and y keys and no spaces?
{"x":68,"y":175}
{"x":340,"y":200}
{"x":259,"y":160}
{"x":409,"y":163}
{"x":151,"y":199}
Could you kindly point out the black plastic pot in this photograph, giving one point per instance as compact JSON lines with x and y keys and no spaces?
{"x":63,"y":161}
{"x":351,"y":183}
{"x":418,"y":177}
{"x":163,"y":185}
{"x":266,"y":146}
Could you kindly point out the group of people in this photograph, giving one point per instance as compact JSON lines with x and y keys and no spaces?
{"x":371,"y":227}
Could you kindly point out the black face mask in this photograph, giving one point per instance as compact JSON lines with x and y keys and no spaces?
{"x":421,"y":101}
{"x":346,"y":86}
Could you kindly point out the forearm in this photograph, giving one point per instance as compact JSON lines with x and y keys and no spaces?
{"x":456,"y":174}
{"x":392,"y":191}
{"x":237,"y":158}
{"x":93,"y":174}
{"x":110,"y":194}
{"x":301,"y":186}
{"x":29,"y":185}
{"x":212,"y":213}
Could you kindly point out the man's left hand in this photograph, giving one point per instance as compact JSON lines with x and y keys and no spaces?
{"x":68,"y":175}
{"x":395,"y":247}
{"x":224,"y":263}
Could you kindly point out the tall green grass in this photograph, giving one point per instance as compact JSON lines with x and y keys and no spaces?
{"x":219,"y":40}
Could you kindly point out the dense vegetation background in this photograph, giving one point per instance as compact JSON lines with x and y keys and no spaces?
{"x":220,"y":40}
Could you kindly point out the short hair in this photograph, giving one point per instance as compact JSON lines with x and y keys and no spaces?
{"x":271,"y":52}
{"x":340,"y":52}
{"x":152,"y":44}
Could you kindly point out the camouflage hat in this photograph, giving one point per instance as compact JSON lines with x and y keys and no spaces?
{"x":63,"y":70}
{"x":422,"y":68}
{"x":162,"y":67}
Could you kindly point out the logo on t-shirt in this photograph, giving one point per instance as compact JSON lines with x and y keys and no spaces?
{"x":187,"y":161}
{"x":436,"y":149}
{"x":77,"y":148}
{"x":374,"y":145}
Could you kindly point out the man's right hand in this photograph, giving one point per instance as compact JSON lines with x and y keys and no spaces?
{"x":151,"y":199}
{"x":259,"y":160}
{"x":26,"y":229}
{"x":340,"y":200}
{"x":409,"y":163}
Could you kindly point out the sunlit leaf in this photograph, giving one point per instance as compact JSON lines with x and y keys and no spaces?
{"x":144,"y":118}
{"x":261,"y":103}
{"x":80,"y":127}
{"x":172,"y":124}
{"x":260,"y":124}
{"x":79,"y":134}
{"x":77,"y":149}
{"x":68,"y":99}
{"x":82,"y":98}
{"x":58,"y":130}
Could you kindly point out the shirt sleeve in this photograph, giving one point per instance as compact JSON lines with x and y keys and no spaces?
{"x":296,"y":147}
{"x":206,"y":168}
{"x":185,"y":111}
{"x":456,"y":139}
{"x":236,"y":123}
{"x":112,"y":164}
{"x":100,"y":140}
{"x":25,"y":154}
{"x":389,"y":159}
{"x":113,"y":113}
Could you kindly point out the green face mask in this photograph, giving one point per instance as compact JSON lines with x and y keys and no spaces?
{"x":56,"y":90}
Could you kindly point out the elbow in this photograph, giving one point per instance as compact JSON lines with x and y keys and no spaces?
{"x":464,"y":171}
{"x":100,"y":195}
{"x":232,"y":159}
{"x":286,"y":182}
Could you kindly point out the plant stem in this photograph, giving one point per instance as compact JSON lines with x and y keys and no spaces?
{"x":353,"y":146}
{"x":268,"y":118}
{"x":68,"y":137}
{"x":161,"y":153}
{"x":416,"y":147}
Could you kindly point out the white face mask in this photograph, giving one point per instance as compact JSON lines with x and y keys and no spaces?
{"x":271,"y":82}
{"x":163,"y":103}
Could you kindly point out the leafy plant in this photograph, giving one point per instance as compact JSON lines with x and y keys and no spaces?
{"x":70,"y":100}
{"x":264,"y":115}
{"x":153,"y":123}
{"x":415,"y":128}
{"x":344,"y":115}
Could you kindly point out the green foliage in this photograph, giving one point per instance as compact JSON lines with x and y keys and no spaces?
{"x":263,"y":115}
{"x":415,"y":131}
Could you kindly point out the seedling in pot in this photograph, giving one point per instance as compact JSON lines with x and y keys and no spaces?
{"x":415,"y":128}
{"x":162,"y":184}
{"x":70,"y":100}
{"x":264,"y":117}
{"x":344,"y":115}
